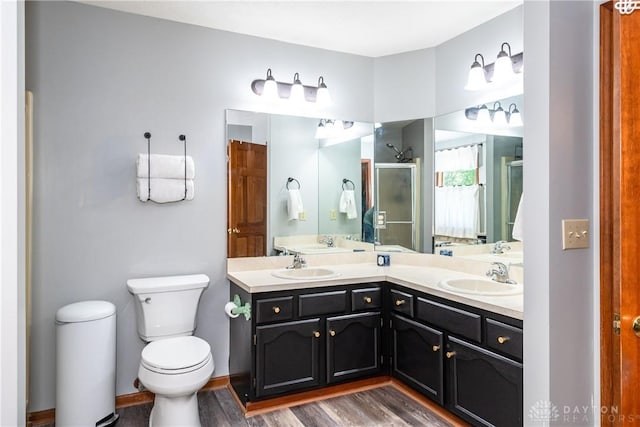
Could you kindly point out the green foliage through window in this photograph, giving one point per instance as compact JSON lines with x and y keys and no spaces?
{"x":460,"y":177}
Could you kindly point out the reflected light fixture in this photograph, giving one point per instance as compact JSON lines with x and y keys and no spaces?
{"x":495,"y":117}
{"x":499,"y":116}
{"x":329,"y":128}
{"x":515,"y":118}
{"x":481,"y":75}
{"x":271,"y":89}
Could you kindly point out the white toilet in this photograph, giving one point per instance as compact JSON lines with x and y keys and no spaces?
{"x":175,"y":364}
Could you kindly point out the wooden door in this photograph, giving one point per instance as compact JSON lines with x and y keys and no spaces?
{"x":619,"y":214}
{"x":246,"y":199}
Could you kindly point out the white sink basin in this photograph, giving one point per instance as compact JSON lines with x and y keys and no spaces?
{"x":480,"y":287}
{"x":306,"y":274}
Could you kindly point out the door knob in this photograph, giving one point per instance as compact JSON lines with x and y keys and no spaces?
{"x":236,"y":230}
{"x":636,"y":326}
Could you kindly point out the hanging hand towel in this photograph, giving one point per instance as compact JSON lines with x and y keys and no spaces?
{"x":294,"y":204}
{"x":165,"y":166}
{"x":517,"y":224}
{"x":348,"y":204}
{"x":164,"y":190}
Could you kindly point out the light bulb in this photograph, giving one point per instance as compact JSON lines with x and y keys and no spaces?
{"x":477,"y":77}
{"x":270,"y":90}
{"x":297,"y":91}
{"x":484,"y":118}
{"x":499,"y":116}
{"x":322,"y":95}
{"x":503,"y":68}
{"x":321,"y":130}
{"x":515,"y":118}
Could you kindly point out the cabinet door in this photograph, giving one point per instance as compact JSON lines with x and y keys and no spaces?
{"x":417,"y":356}
{"x":485,"y":388}
{"x":287,"y":357}
{"x":353,"y":346}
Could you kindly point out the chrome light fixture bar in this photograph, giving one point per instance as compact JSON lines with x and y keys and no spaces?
{"x":505,"y":67}
{"x":496,"y":115}
{"x":294,"y":91}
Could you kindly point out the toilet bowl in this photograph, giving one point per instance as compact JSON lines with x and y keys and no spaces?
{"x":174,"y":369}
{"x":175,"y":364}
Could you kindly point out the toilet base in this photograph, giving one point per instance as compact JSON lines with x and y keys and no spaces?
{"x":175,"y":411}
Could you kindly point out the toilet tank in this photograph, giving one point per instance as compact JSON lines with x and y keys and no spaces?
{"x":167,"y":306}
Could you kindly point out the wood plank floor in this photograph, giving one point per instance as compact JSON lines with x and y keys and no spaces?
{"x":383,"y":406}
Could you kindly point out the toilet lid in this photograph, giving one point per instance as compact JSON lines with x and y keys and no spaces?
{"x":176,"y":353}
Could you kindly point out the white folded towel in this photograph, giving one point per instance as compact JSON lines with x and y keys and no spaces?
{"x":164,"y":190}
{"x":294,"y":204}
{"x":517,"y":224}
{"x":348,"y":204}
{"x":165,"y":166}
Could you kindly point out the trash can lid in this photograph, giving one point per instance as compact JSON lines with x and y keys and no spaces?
{"x":85,"y":311}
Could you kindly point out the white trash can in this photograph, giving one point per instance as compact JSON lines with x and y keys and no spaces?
{"x":86,"y":364}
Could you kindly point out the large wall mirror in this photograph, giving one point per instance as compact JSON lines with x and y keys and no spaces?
{"x":452,"y":185}
{"x":297,"y":184}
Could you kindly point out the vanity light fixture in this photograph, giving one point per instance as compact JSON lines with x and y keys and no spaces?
{"x":273,"y":90}
{"x":495,"y":116}
{"x":329,"y":128}
{"x":515,"y":118}
{"x":501,"y":71}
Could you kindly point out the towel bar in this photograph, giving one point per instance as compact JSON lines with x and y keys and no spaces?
{"x":181,"y":138}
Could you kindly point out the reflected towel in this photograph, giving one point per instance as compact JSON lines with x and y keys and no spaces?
{"x":348,"y":204}
{"x":165,"y":166}
{"x":294,"y":204}
{"x":517,"y":224}
{"x":164,"y":190}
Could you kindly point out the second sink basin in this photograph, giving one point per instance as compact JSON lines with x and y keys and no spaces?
{"x":306,"y":274}
{"x":480,"y":287}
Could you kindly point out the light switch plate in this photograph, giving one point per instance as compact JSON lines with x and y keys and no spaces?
{"x":575,"y":233}
{"x":302,"y":216}
{"x":333,"y":215}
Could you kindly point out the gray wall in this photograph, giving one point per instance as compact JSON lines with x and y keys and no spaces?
{"x":102,"y":78}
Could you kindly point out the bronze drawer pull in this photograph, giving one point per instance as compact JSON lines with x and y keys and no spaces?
{"x":399,"y":302}
{"x":503,"y":340}
{"x":367,"y":300}
{"x":450,"y":354}
{"x":332,"y":332}
{"x":316,"y":334}
{"x":435,"y":348}
{"x":276,"y":309}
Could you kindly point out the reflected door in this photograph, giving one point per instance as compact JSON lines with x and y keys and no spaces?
{"x":246,"y":199}
{"x":396,"y":199}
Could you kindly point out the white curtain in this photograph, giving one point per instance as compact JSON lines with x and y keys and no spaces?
{"x":461,"y":158}
{"x":457,"y":211}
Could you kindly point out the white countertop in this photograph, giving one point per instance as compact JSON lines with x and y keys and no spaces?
{"x":420,"y":272}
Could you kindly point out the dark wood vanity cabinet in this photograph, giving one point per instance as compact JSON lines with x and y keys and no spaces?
{"x":304,"y":339}
{"x":466,"y":359}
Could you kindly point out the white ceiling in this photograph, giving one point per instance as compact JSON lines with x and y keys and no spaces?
{"x":369,"y":28}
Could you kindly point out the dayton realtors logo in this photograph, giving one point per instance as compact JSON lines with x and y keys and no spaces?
{"x":544,"y":411}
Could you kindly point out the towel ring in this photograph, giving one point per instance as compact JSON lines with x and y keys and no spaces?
{"x":290,"y":180}
{"x":346,"y":181}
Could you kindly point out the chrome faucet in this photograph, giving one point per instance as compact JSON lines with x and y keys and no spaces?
{"x":328,"y":240}
{"x":499,"y":247}
{"x":298,"y":263}
{"x":501,"y":273}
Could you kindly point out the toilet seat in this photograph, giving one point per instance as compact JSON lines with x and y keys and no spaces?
{"x":177,"y":355}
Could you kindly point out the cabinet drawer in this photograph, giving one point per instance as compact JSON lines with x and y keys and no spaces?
{"x":454,"y":320}
{"x":504,"y":338}
{"x":274,"y":309}
{"x":402,"y":302}
{"x":322,"y":303}
{"x":365,"y":299}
